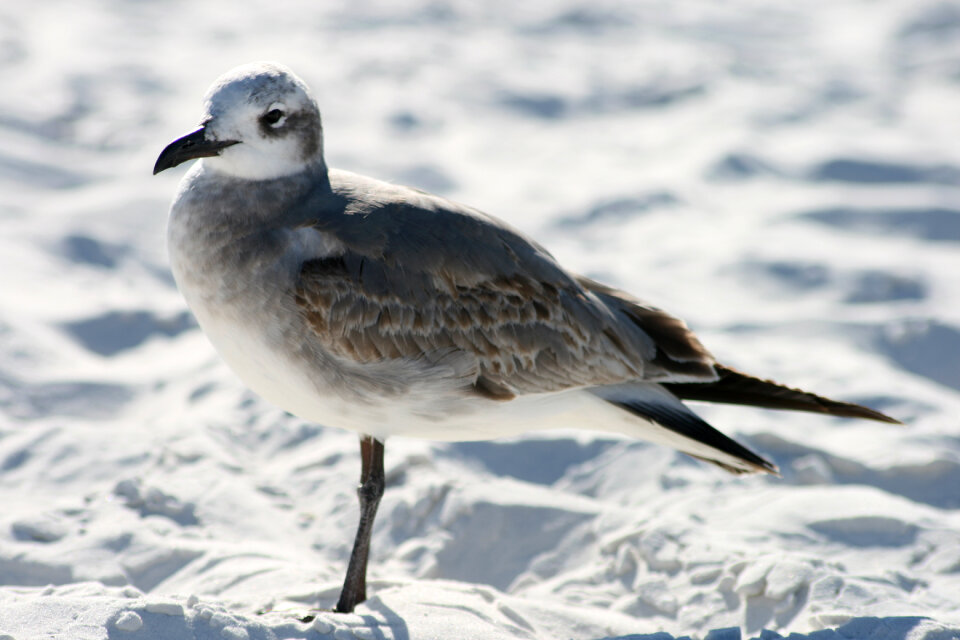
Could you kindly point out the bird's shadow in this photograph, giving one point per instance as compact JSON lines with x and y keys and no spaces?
{"x":388,"y":618}
{"x":385,"y":618}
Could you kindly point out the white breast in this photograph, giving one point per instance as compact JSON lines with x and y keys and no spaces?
{"x":247,"y":310}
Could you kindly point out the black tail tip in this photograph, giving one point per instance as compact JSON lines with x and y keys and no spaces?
{"x":850,"y":410}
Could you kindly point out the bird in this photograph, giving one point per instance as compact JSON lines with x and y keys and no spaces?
{"x":388,"y":311}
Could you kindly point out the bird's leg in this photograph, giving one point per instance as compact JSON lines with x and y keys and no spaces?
{"x":370,"y":491}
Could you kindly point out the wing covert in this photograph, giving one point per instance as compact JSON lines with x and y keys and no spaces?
{"x":421,"y":278}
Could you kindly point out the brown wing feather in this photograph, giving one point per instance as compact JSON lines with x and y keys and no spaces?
{"x":527,"y":336}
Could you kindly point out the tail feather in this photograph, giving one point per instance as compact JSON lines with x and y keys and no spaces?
{"x":734,"y":387}
{"x":672,"y":423}
{"x":665,"y":420}
{"x":698,"y":438}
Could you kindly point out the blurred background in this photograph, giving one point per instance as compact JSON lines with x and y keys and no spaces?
{"x":784,"y":177}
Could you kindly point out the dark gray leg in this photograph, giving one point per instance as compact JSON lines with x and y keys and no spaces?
{"x":370,"y":491}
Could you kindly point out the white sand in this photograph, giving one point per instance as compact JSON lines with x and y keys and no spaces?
{"x":805,"y":155}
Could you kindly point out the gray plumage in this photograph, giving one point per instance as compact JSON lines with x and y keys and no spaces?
{"x":357,"y":302}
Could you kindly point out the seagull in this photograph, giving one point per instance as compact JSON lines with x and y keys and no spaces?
{"x":386,"y":310}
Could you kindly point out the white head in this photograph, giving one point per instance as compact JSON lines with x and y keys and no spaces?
{"x":260,"y":122}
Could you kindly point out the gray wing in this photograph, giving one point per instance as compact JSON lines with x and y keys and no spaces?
{"x":421,"y":277}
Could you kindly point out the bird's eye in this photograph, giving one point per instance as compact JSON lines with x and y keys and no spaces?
{"x":273,"y":117}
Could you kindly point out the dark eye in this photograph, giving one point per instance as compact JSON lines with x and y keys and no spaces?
{"x":272,"y":117}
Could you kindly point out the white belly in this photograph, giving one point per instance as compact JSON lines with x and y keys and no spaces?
{"x":274,"y":375}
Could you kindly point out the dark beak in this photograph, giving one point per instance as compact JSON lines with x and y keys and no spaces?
{"x":193,"y":145}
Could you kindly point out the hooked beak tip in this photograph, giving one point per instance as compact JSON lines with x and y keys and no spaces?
{"x":193,"y":145}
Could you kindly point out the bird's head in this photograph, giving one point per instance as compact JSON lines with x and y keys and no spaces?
{"x":260,"y":122}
